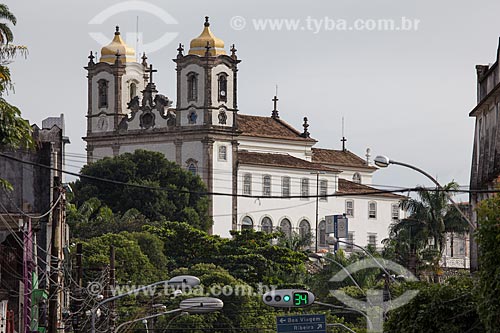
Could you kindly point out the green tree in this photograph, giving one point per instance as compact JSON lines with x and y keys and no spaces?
{"x":430,"y":217}
{"x":165,"y":191}
{"x":488,"y":239}
{"x":15,"y":132}
{"x":442,"y":308}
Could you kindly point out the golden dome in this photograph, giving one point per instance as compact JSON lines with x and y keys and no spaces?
{"x":198,"y":46}
{"x":117,"y":45}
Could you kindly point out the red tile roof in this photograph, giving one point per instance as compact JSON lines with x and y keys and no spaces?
{"x":339,"y":158}
{"x":268,"y":127}
{"x":280,"y":160}
{"x":348,"y":187}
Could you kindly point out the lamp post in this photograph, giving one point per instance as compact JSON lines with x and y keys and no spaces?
{"x":191,"y":305}
{"x":317,"y":173}
{"x":178,"y":281}
{"x":384,"y":161}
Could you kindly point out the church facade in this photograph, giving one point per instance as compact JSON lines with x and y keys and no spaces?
{"x":262,"y":172}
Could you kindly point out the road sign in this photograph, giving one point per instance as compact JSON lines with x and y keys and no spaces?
{"x":341,"y":226}
{"x":302,"y":324}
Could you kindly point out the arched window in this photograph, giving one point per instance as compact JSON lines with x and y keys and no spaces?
{"x":102,"y":93}
{"x":222,"y":153}
{"x":247,"y":223}
{"x":356,"y":178}
{"x":192,"y":168}
{"x":266,"y":225}
{"x":322,"y":233}
{"x":222,"y":87}
{"x":192,"y":93}
{"x":304,"y":228}
{"x":304,"y":188}
{"x":247,"y":184}
{"x":286,"y":227}
{"x":266,"y":186}
{"x":133,"y":90}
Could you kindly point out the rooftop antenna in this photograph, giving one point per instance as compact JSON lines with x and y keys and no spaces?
{"x":343,"y":136}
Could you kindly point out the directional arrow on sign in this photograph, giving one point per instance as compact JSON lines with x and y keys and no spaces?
{"x":282,"y":320}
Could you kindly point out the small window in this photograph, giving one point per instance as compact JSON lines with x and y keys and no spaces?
{"x":285,"y":186}
{"x":322,"y":233}
{"x":323,"y":189}
{"x":133,"y":90}
{"x":286,"y":227}
{"x":372,"y":240}
{"x":222,"y":87}
{"x":356,"y":178}
{"x":192,"y":93}
{"x":304,"y":228}
{"x":304,"y":188}
{"x":103,"y":93}
{"x":222,"y":153}
{"x":247,"y":184}
{"x":372,"y":210}
{"x":349,"y":208}
{"x":266,"y":186}
{"x":395,"y":212}
{"x":350,"y":241}
{"x":266,"y":225}
{"x":247,"y":223}
{"x":192,"y":168}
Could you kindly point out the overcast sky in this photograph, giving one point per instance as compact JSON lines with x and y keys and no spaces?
{"x":404,"y":94}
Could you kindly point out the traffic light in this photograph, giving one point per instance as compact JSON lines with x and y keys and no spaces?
{"x":288,"y":298}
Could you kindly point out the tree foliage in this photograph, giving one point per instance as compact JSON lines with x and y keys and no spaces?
{"x":442,"y":308}
{"x":165,"y":192}
{"x":488,"y":239}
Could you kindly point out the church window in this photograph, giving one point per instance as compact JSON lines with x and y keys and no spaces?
{"x":103,"y":93}
{"x":266,"y":186}
{"x":323,"y":190}
{"x":222,"y":153}
{"x":285,"y":186}
{"x":247,"y":184}
{"x":372,"y":210}
{"x":304,"y":229}
{"x":222,"y":87}
{"x":247,"y":223}
{"x":266,"y":225}
{"x":304,"y":188}
{"x":192,"y":168}
{"x":349,"y":208}
{"x":286,"y":227}
{"x":322,"y":233}
{"x":192,"y":116}
{"x":133,"y":90}
{"x":192,"y":94}
{"x":395,"y":212}
{"x":372,"y":239}
{"x":356,"y":178}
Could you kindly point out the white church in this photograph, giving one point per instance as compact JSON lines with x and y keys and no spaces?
{"x":264,"y":173}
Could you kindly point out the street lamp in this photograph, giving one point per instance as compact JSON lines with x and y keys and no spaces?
{"x":384,"y":161}
{"x":176,"y":282}
{"x":191,"y":305}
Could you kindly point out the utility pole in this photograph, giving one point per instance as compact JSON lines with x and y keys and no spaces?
{"x":111,"y":287}
{"x":78,"y":294}
{"x":317,"y":209}
{"x":54,"y":301}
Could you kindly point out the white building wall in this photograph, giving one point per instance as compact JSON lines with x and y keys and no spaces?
{"x":167,"y":148}
{"x":222,"y":183}
{"x":300,"y":150}
{"x":295,"y":209}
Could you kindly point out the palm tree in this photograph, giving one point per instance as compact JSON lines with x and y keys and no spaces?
{"x":430,"y":218}
{"x":7,"y":50}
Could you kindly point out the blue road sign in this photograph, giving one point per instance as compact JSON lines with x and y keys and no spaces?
{"x":302,"y":324}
